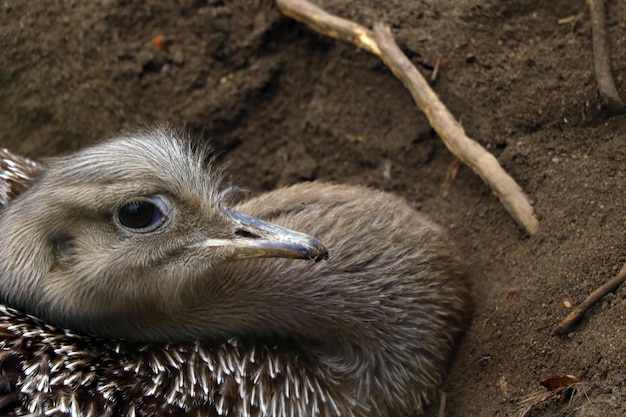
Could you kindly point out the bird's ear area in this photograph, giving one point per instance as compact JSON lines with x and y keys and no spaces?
{"x":62,"y":245}
{"x":254,"y":238}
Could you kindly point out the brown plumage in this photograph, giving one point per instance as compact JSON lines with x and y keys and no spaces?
{"x":151,"y":297}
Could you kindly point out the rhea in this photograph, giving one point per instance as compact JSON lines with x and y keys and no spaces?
{"x":133,"y":284}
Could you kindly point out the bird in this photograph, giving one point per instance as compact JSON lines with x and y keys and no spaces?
{"x":136,"y":281}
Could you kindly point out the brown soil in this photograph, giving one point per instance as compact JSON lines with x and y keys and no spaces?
{"x":285,"y":104}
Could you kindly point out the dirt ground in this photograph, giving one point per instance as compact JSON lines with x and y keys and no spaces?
{"x":285,"y":104}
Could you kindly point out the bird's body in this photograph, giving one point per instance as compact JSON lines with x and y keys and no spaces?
{"x":181,"y":317}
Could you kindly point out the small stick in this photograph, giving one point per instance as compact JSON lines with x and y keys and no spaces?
{"x":433,"y":76}
{"x":601,"y":64}
{"x":577,"y":315}
{"x":442,"y":405}
{"x":330,"y":25}
{"x":446,"y":183}
{"x":467,"y":150}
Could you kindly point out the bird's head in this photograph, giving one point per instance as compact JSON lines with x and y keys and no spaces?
{"x":111,"y":240}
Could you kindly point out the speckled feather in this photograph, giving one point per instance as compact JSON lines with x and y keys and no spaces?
{"x":49,"y":371}
{"x":16,"y":174}
{"x":402,"y":308}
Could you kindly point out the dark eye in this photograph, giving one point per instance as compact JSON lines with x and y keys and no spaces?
{"x":145,"y":214}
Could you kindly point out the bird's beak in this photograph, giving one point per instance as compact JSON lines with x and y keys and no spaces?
{"x":254,"y":238}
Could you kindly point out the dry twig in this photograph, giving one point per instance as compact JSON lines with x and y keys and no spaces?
{"x":381,"y":43}
{"x":601,"y":64}
{"x":452,"y":134}
{"x":433,"y":76}
{"x":577,"y":315}
{"x":442,"y":405}
{"x":446,"y":183}
{"x":330,"y":25}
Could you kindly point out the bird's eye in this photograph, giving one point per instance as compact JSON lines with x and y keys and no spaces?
{"x":144,"y":214}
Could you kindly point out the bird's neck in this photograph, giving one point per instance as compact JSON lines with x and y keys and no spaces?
{"x":283,"y":299}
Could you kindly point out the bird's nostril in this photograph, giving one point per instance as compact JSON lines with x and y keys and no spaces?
{"x":246,"y":233}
